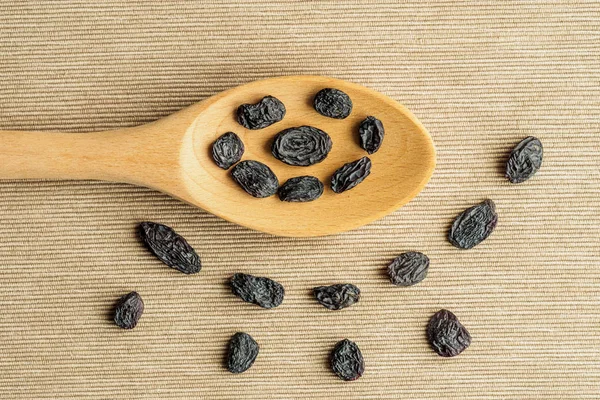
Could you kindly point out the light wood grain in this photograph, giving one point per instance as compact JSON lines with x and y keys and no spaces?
{"x":173,"y":155}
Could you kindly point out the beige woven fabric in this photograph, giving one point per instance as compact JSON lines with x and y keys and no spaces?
{"x":480,"y":75}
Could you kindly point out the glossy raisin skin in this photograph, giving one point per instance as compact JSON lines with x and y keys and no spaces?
{"x":408,"y":268}
{"x":347,"y":361}
{"x":525,"y":160}
{"x":264,"y":292}
{"x":227,"y":150}
{"x":255,"y":178}
{"x":473,"y":225}
{"x":301,"y":146}
{"x":242,"y":352}
{"x":336,"y":297}
{"x":333,"y":103}
{"x":169,"y":247}
{"x":128,"y":311}
{"x":266,"y":112}
{"x":301,"y":189}
{"x":446,"y":335}
{"x":350,"y":175}
{"x":371,"y":134}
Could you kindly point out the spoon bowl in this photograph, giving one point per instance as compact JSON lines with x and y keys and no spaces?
{"x":173,"y":155}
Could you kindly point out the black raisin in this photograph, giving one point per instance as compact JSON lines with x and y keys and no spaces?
{"x":333,"y":103}
{"x":169,"y":247}
{"x":255,"y":178}
{"x":347,"y":360}
{"x":473,"y":225}
{"x":336,"y":297}
{"x":242,"y":352}
{"x":408,"y":269}
{"x":524,"y":160}
{"x":128,"y":311}
{"x":253,"y":289}
{"x":446,"y":335}
{"x":227,"y":150}
{"x":301,"y":146}
{"x":262,"y":114}
{"x":301,"y":189}
{"x":350,"y":175}
{"x":371,"y":134}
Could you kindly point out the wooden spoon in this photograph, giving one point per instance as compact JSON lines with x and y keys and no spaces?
{"x":173,"y":155}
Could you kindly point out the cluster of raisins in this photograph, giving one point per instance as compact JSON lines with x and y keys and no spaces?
{"x":300,"y":146}
{"x":303,"y":146}
{"x":446,"y":335}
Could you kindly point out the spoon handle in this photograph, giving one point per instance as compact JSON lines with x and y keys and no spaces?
{"x":106,"y":155}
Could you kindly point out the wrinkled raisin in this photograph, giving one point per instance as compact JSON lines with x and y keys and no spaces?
{"x":242,"y":352}
{"x":446,"y":335}
{"x":524,"y":160}
{"x":169,"y":247}
{"x":347,"y":360}
{"x":255,"y":178}
{"x":408,"y":269}
{"x":262,"y":291}
{"x":301,"y":189}
{"x":473,"y":225}
{"x":301,"y":146}
{"x":336,"y":297}
{"x":333,"y":103}
{"x":128,"y":311}
{"x":267,"y":111}
{"x":350,"y":175}
{"x":371,"y":134}
{"x":227,"y":150}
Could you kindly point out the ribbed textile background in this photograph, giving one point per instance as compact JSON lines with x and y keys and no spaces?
{"x":480,"y":75}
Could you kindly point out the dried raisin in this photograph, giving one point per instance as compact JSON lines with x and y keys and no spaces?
{"x":371,"y":134}
{"x":169,"y":247}
{"x":242,"y":352}
{"x":347,"y":360}
{"x":128,"y":311}
{"x":473,"y":225}
{"x":267,"y":111}
{"x":350,"y":175}
{"x":333,"y":103}
{"x":262,"y":291}
{"x":301,"y":189}
{"x":336,"y":297}
{"x":524,"y":160}
{"x":227,"y":150}
{"x":301,"y":146}
{"x":255,"y":178}
{"x":446,"y":335}
{"x":408,"y":269}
